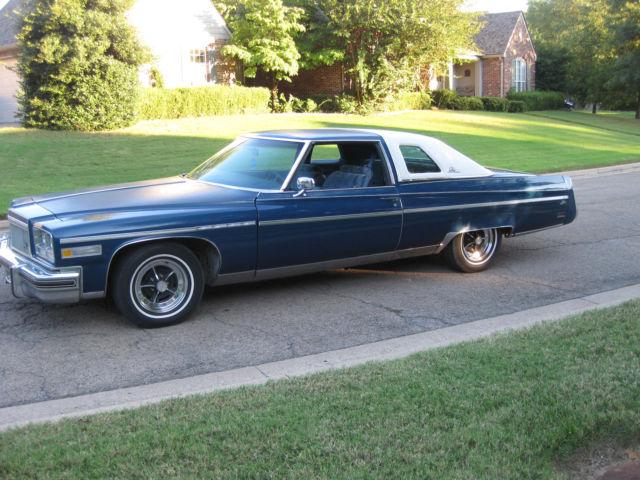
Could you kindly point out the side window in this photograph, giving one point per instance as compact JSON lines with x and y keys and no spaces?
{"x":345,"y":165}
{"x":417,"y":160}
{"x":325,"y":153}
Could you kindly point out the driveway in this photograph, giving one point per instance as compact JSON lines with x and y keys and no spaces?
{"x":54,"y":351}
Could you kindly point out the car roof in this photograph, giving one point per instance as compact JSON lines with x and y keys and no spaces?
{"x":319,"y":134}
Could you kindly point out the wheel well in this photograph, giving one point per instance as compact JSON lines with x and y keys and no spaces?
{"x":207,"y":253}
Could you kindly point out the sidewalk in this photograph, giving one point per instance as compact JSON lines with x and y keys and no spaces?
{"x":54,"y":410}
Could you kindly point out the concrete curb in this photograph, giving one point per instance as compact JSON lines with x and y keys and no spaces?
{"x":603,"y":171}
{"x":126,"y":398}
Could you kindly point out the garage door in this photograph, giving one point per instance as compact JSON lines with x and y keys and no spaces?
{"x":8,"y":87}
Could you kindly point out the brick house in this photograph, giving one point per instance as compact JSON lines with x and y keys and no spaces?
{"x":505,"y":60}
{"x":185,"y":39}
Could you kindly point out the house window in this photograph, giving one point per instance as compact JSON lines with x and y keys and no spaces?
{"x":519,"y":75}
{"x":197,"y":56}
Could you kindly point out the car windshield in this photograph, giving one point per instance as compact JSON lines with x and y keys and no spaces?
{"x":252,"y":163}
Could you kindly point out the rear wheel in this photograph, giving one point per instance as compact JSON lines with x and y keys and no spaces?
{"x":473,"y":251}
{"x":158,"y":285}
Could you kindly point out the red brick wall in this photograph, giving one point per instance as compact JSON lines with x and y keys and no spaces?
{"x":491,"y":76}
{"x":520,"y":46}
{"x":322,"y":80}
{"x":319,"y":81}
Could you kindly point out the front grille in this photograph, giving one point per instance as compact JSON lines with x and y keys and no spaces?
{"x":19,"y":239}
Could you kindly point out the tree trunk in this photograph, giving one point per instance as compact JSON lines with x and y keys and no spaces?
{"x":273,"y":88}
{"x":638,"y":106}
{"x":594,"y":109}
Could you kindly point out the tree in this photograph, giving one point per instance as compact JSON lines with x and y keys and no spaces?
{"x":385,"y":44}
{"x":263,"y":38}
{"x":627,"y":47}
{"x":581,"y":29}
{"x":78,"y":63}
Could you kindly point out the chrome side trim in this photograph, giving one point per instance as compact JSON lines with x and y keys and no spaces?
{"x":328,"y":218}
{"x":343,"y":263}
{"x":150,"y":233}
{"x":231,"y":278}
{"x":487,"y":204}
{"x":93,"y":295}
{"x":271,"y":273}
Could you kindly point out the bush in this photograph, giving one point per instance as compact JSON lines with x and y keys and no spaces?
{"x":409,"y":101}
{"x":467,"y":103}
{"x":495,"y":104}
{"x":443,"y":98}
{"x":517,"y":106}
{"x":325,"y":103}
{"x":78,"y":65}
{"x":539,"y":100}
{"x":155,"y":103}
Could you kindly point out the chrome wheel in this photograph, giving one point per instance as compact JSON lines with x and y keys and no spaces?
{"x":473,"y":251}
{"x":157,"y":285}
{"x":161,"y":285}
{"x":478,"y":247}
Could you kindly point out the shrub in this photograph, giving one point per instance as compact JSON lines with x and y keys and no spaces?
{"x":156,"y":103}
{"x":495,"y":104}
{"x":325,"y":103}
{"x":409,"y":101}
{"x":78,"y":65}
{"x":517,"y":106}
{"x":443,"y":98}
{"x":467,"y":103}
{"x":538,"y":100}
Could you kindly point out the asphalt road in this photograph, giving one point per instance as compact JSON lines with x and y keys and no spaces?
{"x":49,"y":351}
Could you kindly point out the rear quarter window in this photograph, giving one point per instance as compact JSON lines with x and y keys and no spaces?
{"x":417,"y":160}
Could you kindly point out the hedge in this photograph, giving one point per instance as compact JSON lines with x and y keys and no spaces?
{"x":539,"y":100}
{"x":466,"y":103}
{"x":159,"y":103}
{"x":495,"y":104}
{"x":409,"y":101}
{"x":443,"y":98}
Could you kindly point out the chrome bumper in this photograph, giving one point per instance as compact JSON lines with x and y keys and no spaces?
{"x":30,"y":279}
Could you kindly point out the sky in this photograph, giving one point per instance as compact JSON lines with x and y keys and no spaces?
{"x":492,"y":6}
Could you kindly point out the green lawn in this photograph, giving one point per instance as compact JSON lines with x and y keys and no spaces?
{"x":509,"y":407}
{"x":622,"y":122}
{"x":34,"y":162}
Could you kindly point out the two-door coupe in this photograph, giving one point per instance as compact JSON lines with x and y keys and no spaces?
{"x":272,"y":204}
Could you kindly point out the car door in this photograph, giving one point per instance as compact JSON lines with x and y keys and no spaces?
{"x":350,"y":213}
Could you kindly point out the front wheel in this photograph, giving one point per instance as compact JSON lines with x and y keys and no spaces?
{"x":158,"y":285}
{"x":473,"y":251}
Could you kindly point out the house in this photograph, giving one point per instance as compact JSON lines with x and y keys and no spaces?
{"x":505,"y":60}
{"x":9,"y":81}
{"x":185,"y":39}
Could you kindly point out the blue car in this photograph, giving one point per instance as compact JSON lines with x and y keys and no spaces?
{"x":272,"y":204}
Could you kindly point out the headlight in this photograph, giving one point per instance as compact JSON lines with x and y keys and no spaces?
{"x":43,"y":242}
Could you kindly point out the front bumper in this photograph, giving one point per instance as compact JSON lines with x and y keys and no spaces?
{"x":33,"y":280}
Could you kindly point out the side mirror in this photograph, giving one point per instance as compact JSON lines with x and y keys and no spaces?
{"x":303,"y":184}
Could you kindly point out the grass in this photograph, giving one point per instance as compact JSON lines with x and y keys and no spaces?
{"x":510,"y":407}
{"x":621,"y":122}
{"x":35,"y":162}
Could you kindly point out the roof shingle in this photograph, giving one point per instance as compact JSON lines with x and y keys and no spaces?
{"x":495,"y":34}
{"x":8,"y":28}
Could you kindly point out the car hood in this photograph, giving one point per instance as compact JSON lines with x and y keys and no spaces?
{"x":163,"y":194}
